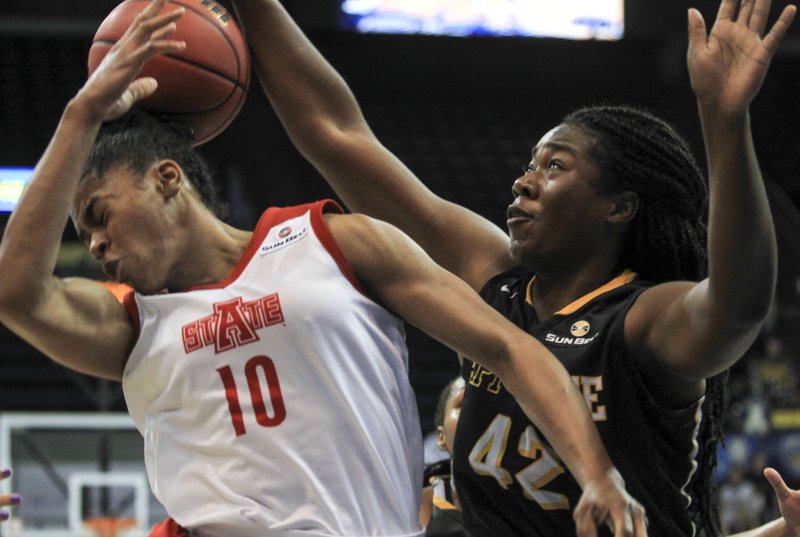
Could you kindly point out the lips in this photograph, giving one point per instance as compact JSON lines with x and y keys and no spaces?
{"x":517,"y":214}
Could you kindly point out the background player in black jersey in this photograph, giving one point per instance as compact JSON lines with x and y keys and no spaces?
{"x":440,"y":512}
{"x":646,"y":311}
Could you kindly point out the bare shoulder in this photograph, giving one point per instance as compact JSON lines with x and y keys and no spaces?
{"x":654,"y":302}
{"x":371,"y":244}
{"x":359,"y":234}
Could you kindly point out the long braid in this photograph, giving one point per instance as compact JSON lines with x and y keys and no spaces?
{"x":665,"y":241}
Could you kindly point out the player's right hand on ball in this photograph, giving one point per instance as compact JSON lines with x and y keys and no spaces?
{"x":112,"y":89}
{"x":605,"y":501}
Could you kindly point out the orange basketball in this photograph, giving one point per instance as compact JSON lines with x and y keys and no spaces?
{"x":206,"y":83}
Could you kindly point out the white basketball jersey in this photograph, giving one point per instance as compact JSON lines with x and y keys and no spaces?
{"x":277,"y":402}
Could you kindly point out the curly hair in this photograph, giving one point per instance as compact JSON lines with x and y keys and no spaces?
{"x":139,"y":139}
{"x":636,"y":151}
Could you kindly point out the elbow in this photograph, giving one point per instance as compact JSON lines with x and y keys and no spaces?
{"x":750,"y":313}
{"x":505,"y":359}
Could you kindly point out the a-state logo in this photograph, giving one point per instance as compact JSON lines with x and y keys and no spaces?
{"x":233,"y":324}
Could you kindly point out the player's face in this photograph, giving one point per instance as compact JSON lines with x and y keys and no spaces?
{"x":557,"y":213}
{"x":124,"y":221}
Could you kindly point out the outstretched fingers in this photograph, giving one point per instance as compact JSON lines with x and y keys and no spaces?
{"x":150,"y":30}
{"x":112,"y":88}
{"x":698,"y":34}
{"x":746,"y":8}
{"x":779,"y":29}
{"x":727,"y":10}
{"x":758,"y":18}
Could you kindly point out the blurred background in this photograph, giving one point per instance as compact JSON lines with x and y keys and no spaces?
{"x":463,"y":111}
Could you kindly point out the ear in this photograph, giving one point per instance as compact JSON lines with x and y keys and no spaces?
{"x":171,"y":178}
{"x":624,"y":208}
{"x":440,"y":438}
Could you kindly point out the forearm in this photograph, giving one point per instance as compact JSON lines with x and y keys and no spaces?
{"x":302,"y":86}
{"x":776,"y":528}
{"x":741,"y":236}
{"x":546,"y":393}
{"x":33,"y":234}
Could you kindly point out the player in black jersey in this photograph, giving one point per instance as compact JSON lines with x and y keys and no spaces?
{"x":612,"y":260}
{"x":441,"y":511}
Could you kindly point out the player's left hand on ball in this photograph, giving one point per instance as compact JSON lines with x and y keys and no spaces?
{"x":112,"y":89}
{"x":605,"y":501}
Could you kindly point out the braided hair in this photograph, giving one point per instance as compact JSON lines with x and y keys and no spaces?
{"x":666,"y":240}
{"x":139,"y":139}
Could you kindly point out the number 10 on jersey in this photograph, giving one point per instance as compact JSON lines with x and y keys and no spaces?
{"x":254,"y":365}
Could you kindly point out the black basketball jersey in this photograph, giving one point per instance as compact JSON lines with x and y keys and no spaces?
{"x":511,"y":483}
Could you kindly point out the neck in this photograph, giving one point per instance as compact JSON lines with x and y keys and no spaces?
{"x":211,"y":250}
{"x":554,"y":290}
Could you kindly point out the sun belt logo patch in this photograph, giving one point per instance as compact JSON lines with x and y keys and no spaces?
{"x":288,"y":233}
{"x":580,"y":328}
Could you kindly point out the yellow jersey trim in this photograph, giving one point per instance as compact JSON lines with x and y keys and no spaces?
{"x":443,"y":504}
{"x":626,"y":277}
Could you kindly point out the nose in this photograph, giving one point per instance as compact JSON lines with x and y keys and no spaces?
{"x":98,"y":245}
{"x":526,"y":186}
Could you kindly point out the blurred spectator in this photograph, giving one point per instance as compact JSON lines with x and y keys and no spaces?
{"x":754,"y":473}
{"x":773,"y":374}
{"x":741,"y":502}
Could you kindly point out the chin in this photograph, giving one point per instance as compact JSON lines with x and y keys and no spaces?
{"x":518,"y":253}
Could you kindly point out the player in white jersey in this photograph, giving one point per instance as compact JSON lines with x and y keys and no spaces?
{"x":266,"y":369}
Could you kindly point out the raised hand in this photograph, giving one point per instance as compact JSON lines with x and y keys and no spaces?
{"x":788,"y":500}
{"x":607,"y":502}
{"x":727,"y":66}
{"x":112,"y":88}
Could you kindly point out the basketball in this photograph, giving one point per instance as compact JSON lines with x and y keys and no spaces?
{"x":206,"y":83}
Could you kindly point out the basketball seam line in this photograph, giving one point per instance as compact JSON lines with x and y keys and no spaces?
{"x":189,"y":62}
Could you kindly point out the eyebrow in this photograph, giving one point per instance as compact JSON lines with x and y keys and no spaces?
{"x":555,"y":146}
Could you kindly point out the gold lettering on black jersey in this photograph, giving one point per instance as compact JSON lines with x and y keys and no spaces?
{"x":591,"y":388}
{"x":477,"y":378}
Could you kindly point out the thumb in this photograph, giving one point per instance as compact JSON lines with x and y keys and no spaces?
{"x":141,"y":88}
{"x":697,"y":28}
{"x":778,"y":485}
{"x":137,"y":90}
